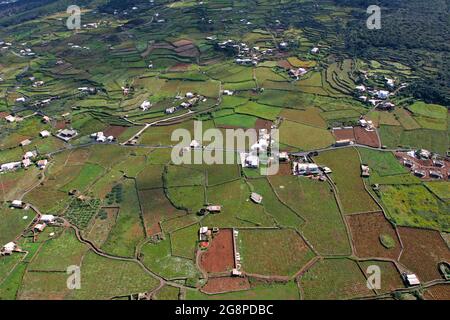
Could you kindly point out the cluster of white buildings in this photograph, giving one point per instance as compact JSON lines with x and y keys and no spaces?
{"x":5,"y":45}
{"x":252,"y":159}
{"x":297,"y":73}
{"x":378,"y":98}
{"x":27,"y":52}
{"x":28,"y":159}
{"x":100,"y":137}
{"x":245,"y":55}
{"x":190,"y":100}
{"x":366,"y":124}
{"x":75,"y":46}
{"x":44,"y":221}
{"x":90,"y":90}
{"x":302,"y":166}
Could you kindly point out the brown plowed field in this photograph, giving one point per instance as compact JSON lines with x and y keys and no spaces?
{"x":220,"y":255}
{"x":224,"y":284}
{"x":284,"y":64}
{"x":367,"y":138}
{"x":263,"y":124}
{"x":182,"y":43}
{"x":438,"y":292}
{"x":343,"y":134}
{"x":114,"y":131}
{"x":423,"y":250}
{"x":366,"y":229}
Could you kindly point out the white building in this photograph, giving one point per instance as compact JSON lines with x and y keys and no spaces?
{"x":145,"y":105}
{"x":251,"y":161}
{"x":361,"y":88}
{"x":305,"y":168}
{"x":10,"y":166}
{"x":26,"y":163}
{"x":29,"y":154}
{"x":411,"y":279}
{"x":47,"y":218}
{"x":390,"y":83}
{"x":42,"y":164}
{"x":8,"y":248}
{"x":17,"y":204}
{"x":10,"y":118}
{"x":315,"y":50}
{"x":44,"y":134}
{"x":382,"y":94}
{"x":39,"y":227}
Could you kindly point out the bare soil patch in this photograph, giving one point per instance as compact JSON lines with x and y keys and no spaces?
{"x":114,"y":131}
{"x":219,"y":257}
{"x":182,"y":43}
{"x":366,"y":229}
{"x":367,"y":138}
{"x":423,"y":250}
{"x":438,"y":292}
{"x":263,"y":124}
{"x":284,"y":64}
{"x":226,"y":284}
{"x":344,"y":134}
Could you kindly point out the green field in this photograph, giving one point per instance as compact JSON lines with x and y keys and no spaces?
{"x":88,"y":174}
{"x":345,"y":164}
{"x":159,"y":259}
{"x":303,"y":136}
{"x":385,"y":168}
{"x":13,"y":223}
{"x":101,"y":277}
{"x":184,"y":241}
{"x":273,"y":252}
{"x":59,"y":253}
{"x":415,"y":206}
{"x":237,"y":209}
{"x":429,"y":110}
{"x":314,"y":201}
{"x":128,"y":230}
{"x":334,"y":279}
{"x":440,"y":189}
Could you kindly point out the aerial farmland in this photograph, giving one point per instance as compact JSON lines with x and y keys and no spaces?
{"x":95,"y":119}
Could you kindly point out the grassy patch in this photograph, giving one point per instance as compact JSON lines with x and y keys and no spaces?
{"x":184,"y":241}
{"x":88,"y":174}
{"x":415,"y":206}
{"x":346,"y":176}
{"x":273,"y":252}
{"x":128,"y":230}
{"x":106,"y":278}
{"x":440,"y":189}
{"x":314,"y":200}
{"x":59,"y":253}
{"x":158,"y":258}
{"x":303,"y":136}
{"x":334,"y":279}
{"x":429,"y":110}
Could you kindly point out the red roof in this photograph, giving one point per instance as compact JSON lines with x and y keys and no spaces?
{"x":204,"y":244}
